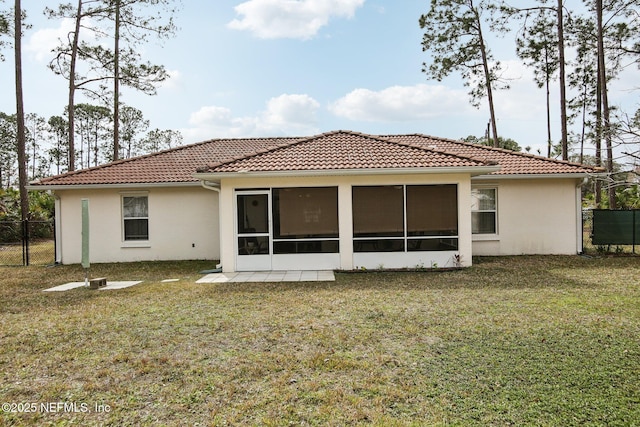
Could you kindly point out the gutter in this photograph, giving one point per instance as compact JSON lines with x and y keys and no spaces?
{"x":582,"y":175}
{"x":34,"y":186}
{"x":473,"y":170}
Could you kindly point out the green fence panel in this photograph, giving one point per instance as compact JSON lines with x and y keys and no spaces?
{"x":615,"y":227}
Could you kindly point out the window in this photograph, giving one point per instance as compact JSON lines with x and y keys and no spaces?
{"x":378,"y":218}
{"x":432,"y":213}
{"x":432,"y":210}
{"x":484,"y":213}
{"x":253,"y":224}
{"x":305,"y":220}
{"x":378,"y":211}
{"x":135,"y":214}
{"x":405,"y":218}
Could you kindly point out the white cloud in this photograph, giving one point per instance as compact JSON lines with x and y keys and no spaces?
{"x":299,"y":19}
{"x":43,"y":41}
{"x":284,"y":115}
{"x":524,"y":100}
{"x":401,"y":103}
{"x":174,"y":81}
{"x":211,"y":116}
{"x":290,"y":110}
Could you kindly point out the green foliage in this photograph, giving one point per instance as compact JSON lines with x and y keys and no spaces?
{"x":41,"y":205}
{"x":157,"y":140}
{"x":627,"y":197}
{"x":138,"y":20}
{"x":92,"y":125}
{"x":8,"y":149}
{"x":506,"y":143}
{"x":4,"y":29}
{"x":537,"y":46}
{"x":4,"y":22}
{"x":132,"y":124}
{"x":58,"y":153}
{"x":453,"y":33}
{"x":41,"y":212}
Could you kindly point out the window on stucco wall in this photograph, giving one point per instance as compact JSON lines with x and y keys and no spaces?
{"x":484,"y":211}
{"x":135,"y":216}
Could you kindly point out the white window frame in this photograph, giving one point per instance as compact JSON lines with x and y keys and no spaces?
{"x":480,"y":236}
{"x":134,"y":243}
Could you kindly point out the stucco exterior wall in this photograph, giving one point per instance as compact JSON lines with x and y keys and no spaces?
{"x":344,"y":184}
{"x":535,"y":217}
{"x":183,"y":224}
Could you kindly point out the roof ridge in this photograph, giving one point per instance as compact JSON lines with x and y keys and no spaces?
{"x":435,"y":149}
{"x":502,"y":150}
{"x":299,"y":140}
{"x":378,"y":138}
{"x":296,"y":140}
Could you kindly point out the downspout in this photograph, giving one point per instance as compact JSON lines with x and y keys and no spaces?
{"x":210,"y":187}
{"x":579,"y":219}
{"x":57,"y":215}
{"x":213,"y":187}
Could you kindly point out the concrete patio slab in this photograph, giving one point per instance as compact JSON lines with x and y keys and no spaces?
{"x":269,"y":277}
{"x":110,"y":286}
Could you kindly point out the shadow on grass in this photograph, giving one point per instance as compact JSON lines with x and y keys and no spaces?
{"x":520,"y":272}
{"x":24,"y":289}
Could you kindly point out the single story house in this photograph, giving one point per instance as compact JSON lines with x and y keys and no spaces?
{"x":338,"y":200}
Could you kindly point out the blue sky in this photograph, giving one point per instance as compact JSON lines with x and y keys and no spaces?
{"x":283,"y":67}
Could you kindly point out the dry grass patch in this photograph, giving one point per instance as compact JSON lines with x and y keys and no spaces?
{"x":523,"y":340}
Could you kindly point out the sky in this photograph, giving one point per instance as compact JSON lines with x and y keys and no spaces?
{"x":258,"y":68}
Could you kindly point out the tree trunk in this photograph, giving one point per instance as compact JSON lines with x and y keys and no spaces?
{"x":72,"y":89}
{"x":549,"y":142}
{"x":116,"y":85}
{"x":563,"y":89}
{"x":487,"y":77}
{"x":583,"y":131}
{"x":598,"y":183}
{"x":605,"y":108}
{"x":21,"y":142}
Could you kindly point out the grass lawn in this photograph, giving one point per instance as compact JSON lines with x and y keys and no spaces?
{"x":511,"y":341}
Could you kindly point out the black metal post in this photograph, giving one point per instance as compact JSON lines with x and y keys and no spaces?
{"x":55,"y":242}
{"x":23,"y":225}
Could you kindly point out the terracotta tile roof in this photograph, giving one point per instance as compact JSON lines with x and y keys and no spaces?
{"x":511,"y":162}
{"x":334,"y":150}
{"x":176,"y":165}
{"x":343,"y":150}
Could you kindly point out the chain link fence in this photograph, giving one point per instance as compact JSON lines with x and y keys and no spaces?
{"x":587,"y":229}
{"x":27,"y":242}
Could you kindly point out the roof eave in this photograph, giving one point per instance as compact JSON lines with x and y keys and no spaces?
{"x":563,"y":175}
{"x":472,"y":170}
{"x":122,"y":186}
